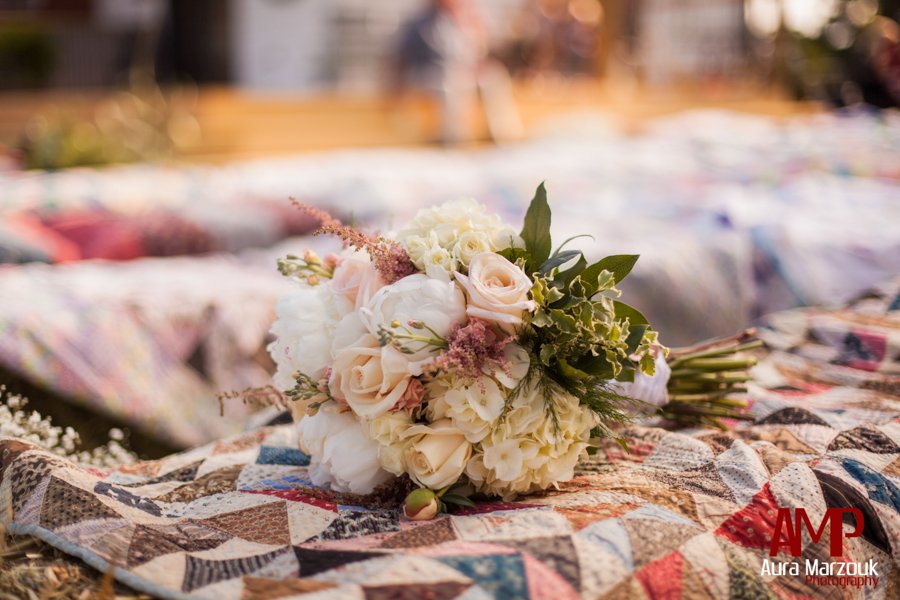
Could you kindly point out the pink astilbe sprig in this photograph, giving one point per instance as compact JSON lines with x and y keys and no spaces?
{"x":322,"y":216}
{"x":472,"y":348}
{"x":390,"y":259}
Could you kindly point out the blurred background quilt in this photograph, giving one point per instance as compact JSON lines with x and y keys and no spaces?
{"x":678,"y":514}
{"x":724,"y":236}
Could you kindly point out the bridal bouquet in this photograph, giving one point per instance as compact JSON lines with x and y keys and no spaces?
{"x":460,"y":352}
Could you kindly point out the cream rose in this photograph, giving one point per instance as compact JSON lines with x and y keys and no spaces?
{"x":497,"y":290}
{"x":436,"y":454}
{"x":371,"y":379}
{"x":348,"y":275}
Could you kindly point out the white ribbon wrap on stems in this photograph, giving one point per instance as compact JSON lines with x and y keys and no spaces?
{"x":651,"y":389}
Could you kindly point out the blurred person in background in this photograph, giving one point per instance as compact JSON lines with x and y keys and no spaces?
{"x":444,"y":52}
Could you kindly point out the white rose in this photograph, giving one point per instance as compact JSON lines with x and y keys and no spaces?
{"x":370,"y":378}
{"x":497,"y":290}
{"x":417,"y":245}
{"x":341,"y":456}
{"x":464,"y":227}
{"x":474,"y":408}
{"x":305,"y":323}
{"x":439,"y":304}
{"x":387,"y":431}
{"x":438,"y":263}
{"x":436,"y":454}
{"x":470,"y":244}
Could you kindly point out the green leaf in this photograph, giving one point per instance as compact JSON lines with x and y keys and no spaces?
{"x":564,"y":278}
{"x":558,"y":259}
{"x":596,"y":366}
{"x":513,"y":254}
{"x":635,"y":317}
{"x":546,"y":354}
{"x":570,"y":372}
{"x":635,"y":335}
{"x":536,"y":231}
{"x":564,"y":321}
{"x":627,"y":374}
{"x":457,"y":500}
{"x":619,"y":265}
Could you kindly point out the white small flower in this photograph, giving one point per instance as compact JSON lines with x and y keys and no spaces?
{"x":505,"y":459}
{"x":517,"y":363}
{"x":474,"y":408}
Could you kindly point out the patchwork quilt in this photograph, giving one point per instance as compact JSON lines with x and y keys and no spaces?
{"x":688,"y":513}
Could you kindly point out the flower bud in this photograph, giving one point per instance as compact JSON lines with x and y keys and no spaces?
{"x":421,"y":505}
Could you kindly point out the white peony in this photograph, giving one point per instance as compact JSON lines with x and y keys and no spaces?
{"x":497,"y":291}
{"x":341,"y":455}
{"x":305,"y":323}
{"x":438,"y":304}
{"x":464,"y":228}
{"x":369,"y":377}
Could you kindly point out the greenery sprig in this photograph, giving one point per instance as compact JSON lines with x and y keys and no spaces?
{"x":583,"y":337}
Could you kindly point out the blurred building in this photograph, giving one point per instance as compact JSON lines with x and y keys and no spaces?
{"x":690,"y":39}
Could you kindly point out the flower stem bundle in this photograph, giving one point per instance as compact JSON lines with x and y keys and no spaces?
{"x":708,"y":381}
